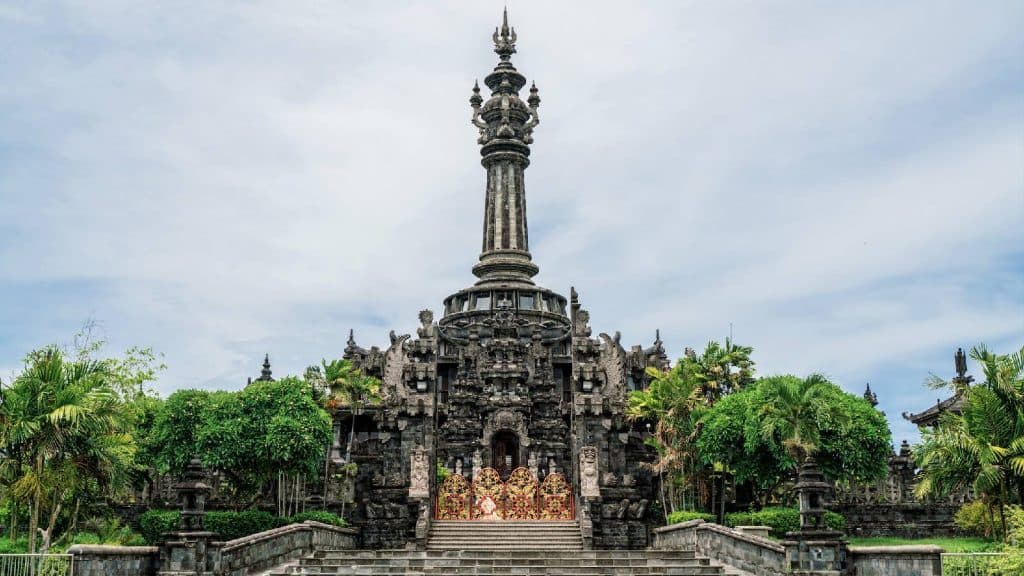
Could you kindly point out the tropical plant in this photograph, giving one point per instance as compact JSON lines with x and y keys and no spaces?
{"x":982,"y":447}
{"x":65,"y":435}
{"x":349,"y":388}
{"x":719,"y":370}
{"x":792,"y":411}
{"x":851,"y":439}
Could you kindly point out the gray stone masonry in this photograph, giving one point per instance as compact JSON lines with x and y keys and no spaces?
{"x":95,"y":560}
{"x":896,"y":561}
{"x":764,"y":557}
{"x":247,"y":555}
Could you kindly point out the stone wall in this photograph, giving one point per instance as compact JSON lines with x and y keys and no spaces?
{"x":274,"y":547}
{"x":95,"y":560}
{"x":753,"y":554}
{"x":239,"y":557}
{"x":903,"y":520}
{"x":764,"y":557}
{"x":896,"y":561}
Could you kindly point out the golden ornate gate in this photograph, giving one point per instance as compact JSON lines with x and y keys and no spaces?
{"x":453,"y":498}
{"x":520,"y":498}
{"x":556,"y":498}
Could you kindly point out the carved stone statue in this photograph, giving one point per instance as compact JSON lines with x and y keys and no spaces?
{"x":588,"y":473}
{"x":532,"y":464}
{"x":478,"y":464}
{"x":458,"y":466}
{"x":419,"y":472}
{"x":427,"y":328}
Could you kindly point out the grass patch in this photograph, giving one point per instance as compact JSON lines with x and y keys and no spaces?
{"x":950,"y":544}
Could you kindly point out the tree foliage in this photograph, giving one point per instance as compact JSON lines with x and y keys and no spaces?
{"x":251,"y":436}
{"x":981,"y":448}
{"x":764,"y":431}
{"x":65,"y":432}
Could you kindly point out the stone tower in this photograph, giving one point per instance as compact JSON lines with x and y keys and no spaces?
{"x":508,"y":378}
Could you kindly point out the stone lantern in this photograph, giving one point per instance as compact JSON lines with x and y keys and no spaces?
{"x":814,"y":547}
{"x":190,"y":551}
{"x":192,"y":493}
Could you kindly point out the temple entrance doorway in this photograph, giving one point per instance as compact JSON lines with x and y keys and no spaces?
{"x":505,"y":452}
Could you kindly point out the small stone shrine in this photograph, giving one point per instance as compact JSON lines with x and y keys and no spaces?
{"x":508,"y":395}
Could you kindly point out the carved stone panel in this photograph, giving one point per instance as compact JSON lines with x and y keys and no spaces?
{"x":419,"y":473}
{"x":589,"y":487}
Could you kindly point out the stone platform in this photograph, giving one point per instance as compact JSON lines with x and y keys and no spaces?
{"x":521,"y":562}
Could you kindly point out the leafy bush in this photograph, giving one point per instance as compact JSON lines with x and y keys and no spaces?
{"x":228,"y":525}
{"x":154,"y":523}
{"x":687,"y":515}
{"x":780,"y":520}
{"x":231,"y":525}
{"x":16,"y":546}
{"x":322,"y":516}
{"x":976,"y":519}
{"x":1013,"y":562}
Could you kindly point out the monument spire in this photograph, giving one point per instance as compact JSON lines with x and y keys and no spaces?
{"x":505,"y":124}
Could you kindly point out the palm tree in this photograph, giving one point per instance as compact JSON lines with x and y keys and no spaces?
{"x":792,"y":410}
{"x":349,"y":387}
{"x":982,"y":447}
{"x":720,"y":370}
{"x":69,"y":432}
{"x":674,"y":403}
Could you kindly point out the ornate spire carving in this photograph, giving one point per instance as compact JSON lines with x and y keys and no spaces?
{"x":505,"y":126}
{"x":265,"y":374}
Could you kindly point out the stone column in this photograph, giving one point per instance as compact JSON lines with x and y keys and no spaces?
{"x":814,"y":549}
{"x":188,"y":551}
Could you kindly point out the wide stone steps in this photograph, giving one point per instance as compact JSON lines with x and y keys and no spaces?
{"x":520,"y":563}
{"x":504,"y":535}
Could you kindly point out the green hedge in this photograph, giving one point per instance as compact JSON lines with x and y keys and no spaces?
{"x":687,"y":515}
{"x":318,"y":516}
{"x":228,"y":525}
{"x":780,"y":520}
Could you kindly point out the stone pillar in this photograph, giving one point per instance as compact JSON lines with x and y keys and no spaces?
{"x":188,"y":551}
{"x":814,"y":549}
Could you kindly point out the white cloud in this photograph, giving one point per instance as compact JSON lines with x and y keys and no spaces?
{"x":843,"y":184}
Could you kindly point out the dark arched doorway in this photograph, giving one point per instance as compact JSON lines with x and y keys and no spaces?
{"x":505,"y":452}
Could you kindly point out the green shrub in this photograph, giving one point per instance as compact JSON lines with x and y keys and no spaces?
{"x":231,"y":525}
{"x":318,"y":516}
{"x":154,"y":523}
{"x":17,"y":546}
{"x":780,"y":520}
{"x":687,"y":515}
{"x":976,"y":519}
{"x":228,"y":525}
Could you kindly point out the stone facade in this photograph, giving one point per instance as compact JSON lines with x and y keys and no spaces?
{"x":509,"y":376}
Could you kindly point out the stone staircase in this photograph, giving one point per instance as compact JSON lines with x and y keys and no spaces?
{"x":507,"y":548}
{"x":504,"y":536}
{"x":503,"y":562}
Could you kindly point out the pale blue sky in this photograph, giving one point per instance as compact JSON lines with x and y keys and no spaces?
{"x":843,"y":182}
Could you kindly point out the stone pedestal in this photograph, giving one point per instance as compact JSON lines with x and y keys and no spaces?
{"x":814,"y":549}
{"x":189,"y":554}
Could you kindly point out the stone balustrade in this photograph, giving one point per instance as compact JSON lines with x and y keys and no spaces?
{"x":96,"y":560}
{"x":246,"y":555}
{"x":765,"y":557}
{"x":889,"y":560}
{"x":754,"y":554}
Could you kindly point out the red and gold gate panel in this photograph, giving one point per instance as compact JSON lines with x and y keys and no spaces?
{"x":488,"y":495}
{"x":522,"y":495}
{"x":453,"y":498}
{"x":555,"y":498}
{"x":520,"y":498}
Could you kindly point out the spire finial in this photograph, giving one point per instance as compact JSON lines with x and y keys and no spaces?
{"x":504,"y":38}
{"x":265,"y":373}
{"x":870,"y":396}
